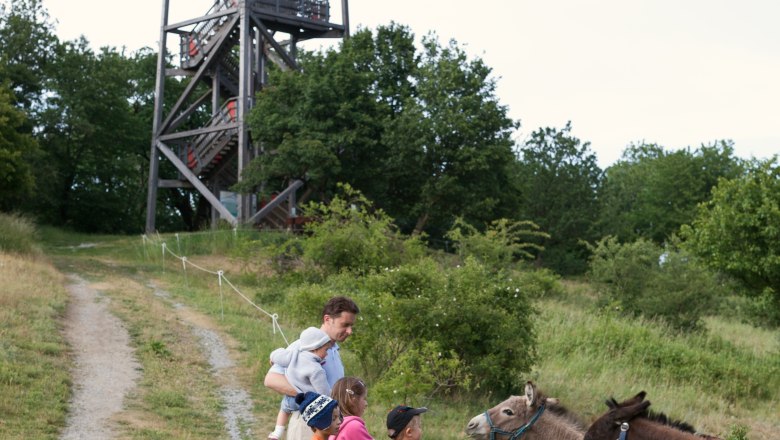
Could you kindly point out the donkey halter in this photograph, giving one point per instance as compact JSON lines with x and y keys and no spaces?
{"x":623,"y":431}
{"x":519,"y":432}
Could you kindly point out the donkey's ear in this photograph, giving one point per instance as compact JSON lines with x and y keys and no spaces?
{"x":626,"y":413}
{"x":530,"y":393}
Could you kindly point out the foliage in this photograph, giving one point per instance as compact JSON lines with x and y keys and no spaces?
{"x":477,"y":318}
{"x":349,"y":234}
{"x":640,"y":278}
{"x":430,"y":121}
{"x":557,"y":179}
{"x":537,"y":283}
{"x":94,"y":141}
{"x":451,"y":143}
{"x":321,"y":125}
{"x":500,"y":245}
{"x":17,"y":148}
{"x":28,"y":49}
{"x":650,"y":192}
{"x":737,"y":232}
{"x":18,"y":235}
{"x":738,"y":432}
{"x":420,"y":373}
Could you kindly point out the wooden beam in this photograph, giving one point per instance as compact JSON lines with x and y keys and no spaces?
{"x":192,"y":178}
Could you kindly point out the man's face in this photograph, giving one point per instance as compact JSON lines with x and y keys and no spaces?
{"x":338,"y":328}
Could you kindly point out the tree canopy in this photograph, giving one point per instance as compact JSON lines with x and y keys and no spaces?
{"x":430,"y":121}
{"x":650,"y":192}
{"x":738,"y":231}
{"x":557,"y":182}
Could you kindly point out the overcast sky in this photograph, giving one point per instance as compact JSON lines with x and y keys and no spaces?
{"x":674,"y":72}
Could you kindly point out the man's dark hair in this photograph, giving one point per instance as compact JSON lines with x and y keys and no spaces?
{"x":338,"y":305}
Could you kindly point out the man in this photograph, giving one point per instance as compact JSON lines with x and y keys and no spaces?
{"x":338,"y":318}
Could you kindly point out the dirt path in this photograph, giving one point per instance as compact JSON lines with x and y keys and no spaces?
{"x":236,"y":401}
{"x":106,"y":369}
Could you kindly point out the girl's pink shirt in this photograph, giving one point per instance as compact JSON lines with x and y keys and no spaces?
{"x":352,"y":428}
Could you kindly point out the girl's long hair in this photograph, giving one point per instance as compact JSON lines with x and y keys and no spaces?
{"x":348,"y":391}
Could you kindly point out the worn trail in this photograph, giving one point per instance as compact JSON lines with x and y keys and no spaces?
{"x":106,"y":368}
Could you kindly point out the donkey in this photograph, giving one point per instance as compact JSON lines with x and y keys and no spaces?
{"x":532,"y":416}
{"x":631,"y":420}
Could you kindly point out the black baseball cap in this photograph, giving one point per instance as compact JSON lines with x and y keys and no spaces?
{"x":400,"y":416}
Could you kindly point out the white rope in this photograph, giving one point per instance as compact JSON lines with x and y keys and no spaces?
{"x":221,"y":305}
{"x":220,"y":277}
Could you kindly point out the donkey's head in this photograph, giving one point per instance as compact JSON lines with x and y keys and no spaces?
{"x":608,"y":425}
{"x":510,"y":415}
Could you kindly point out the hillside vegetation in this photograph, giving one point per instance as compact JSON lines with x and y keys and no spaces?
{"x":721,"y":379}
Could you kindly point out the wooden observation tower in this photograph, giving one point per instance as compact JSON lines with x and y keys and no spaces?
{"x":225,"y":53}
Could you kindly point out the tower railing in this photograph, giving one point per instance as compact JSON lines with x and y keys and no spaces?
{"x":207,"y":149}
{"x":194,"y":44}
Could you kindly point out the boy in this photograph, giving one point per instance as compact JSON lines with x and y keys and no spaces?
{"x":403,"y":423}
{"x":303,"y":361}
{"x":321,"y":413}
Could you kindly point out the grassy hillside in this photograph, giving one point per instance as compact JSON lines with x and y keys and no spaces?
{"x":715,"y":381}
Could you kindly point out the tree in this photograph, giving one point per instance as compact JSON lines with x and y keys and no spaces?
{"x":650,"y":192}
{"x":27,"y":49}
{"x":321,"y":125}
{"x":557,"y":179}
{"x":431,"y":122}
{"x":17,"y":181}
{"x":738,"y":231}
{"x":450,"y":148}
{"x":93,"y":137}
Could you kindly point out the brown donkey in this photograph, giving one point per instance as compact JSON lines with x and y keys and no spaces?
{"x":531,"y":417}
{"x":631,"y":420}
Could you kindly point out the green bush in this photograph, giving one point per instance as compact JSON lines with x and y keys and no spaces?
{"x":738,"y":432}
{"x":500,"y":245}
{"x":18,"y":235}
{"x":349,"y":234}
{"x":641,"y":278}
{"x":420,"y":373}
{"x":538,"y":283}
{"x":478,"y":324}
{"x":476,"y":316}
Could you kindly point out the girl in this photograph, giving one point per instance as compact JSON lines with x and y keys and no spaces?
{"x":351,"y":394}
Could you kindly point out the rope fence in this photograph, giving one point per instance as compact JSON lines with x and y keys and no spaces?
{"x":220,"y":274}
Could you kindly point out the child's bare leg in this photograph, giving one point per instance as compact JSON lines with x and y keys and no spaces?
{"x":281,"y":422}
{"x":282,"y":418}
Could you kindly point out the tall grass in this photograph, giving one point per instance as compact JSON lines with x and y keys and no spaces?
{"x":702,"y":378}
{"x":18,"y":235}
{"x":34,"y":362}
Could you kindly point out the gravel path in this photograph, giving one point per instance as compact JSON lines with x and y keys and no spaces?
{"x":236,"y":401}
{"x":106,"y":369}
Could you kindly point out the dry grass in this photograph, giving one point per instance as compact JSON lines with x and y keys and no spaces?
{"x":34,"y":362}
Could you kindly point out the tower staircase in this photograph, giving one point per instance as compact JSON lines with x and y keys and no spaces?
{"x":225,"y":53}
